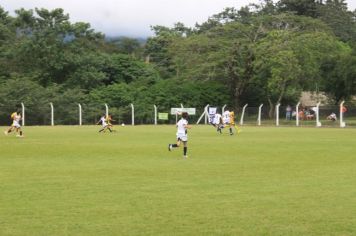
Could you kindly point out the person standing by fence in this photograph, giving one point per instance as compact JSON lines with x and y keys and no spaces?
{"x":288,"y":113}
{"x":343,"y":109}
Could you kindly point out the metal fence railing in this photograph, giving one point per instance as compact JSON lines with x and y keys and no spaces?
{"x":88,"y":114}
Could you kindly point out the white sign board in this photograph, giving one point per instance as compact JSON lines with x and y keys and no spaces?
{"x":179,"y":110}
{"x":212,"y":112}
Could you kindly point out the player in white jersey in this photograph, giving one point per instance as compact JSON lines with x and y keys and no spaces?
{"x":229,"y":120}
{"x":182,"y":134}
{"x":218,"y":123}
{"x":16,"y":118}
{"x":226,"y":117}
{"x":105,"y":123}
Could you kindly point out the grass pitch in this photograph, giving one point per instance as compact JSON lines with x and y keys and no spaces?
{"x":265,"y":181}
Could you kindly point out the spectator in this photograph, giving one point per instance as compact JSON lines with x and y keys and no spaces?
{"x":311,"y":113}
{"x":294,"y":114}
{"x":343,"y":109}
{"x":288,"y":113}
{"x":332,"y":117}
{"x":301,"y":114}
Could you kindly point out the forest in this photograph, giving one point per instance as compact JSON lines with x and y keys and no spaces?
{"x":261,"y":53}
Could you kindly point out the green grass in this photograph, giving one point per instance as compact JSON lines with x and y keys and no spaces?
{"x":266,"y":181}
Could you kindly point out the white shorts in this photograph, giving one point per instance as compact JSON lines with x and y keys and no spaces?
{"x":16,"y":124}
{"x":104,"y":125}
{"x":182,"y":137}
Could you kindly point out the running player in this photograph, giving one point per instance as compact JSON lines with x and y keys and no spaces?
{"x":228,"y":120}
{"x":232,"y":123}
{"x":182,"y":134}
{"x":16,"y":117}
{"x":218,"y":122}
{"x":104,"y":122}
{"x":109,"y":119}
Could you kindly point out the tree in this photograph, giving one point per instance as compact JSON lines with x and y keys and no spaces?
{"x":279,"y":68}
{"x":299,"y":7}
{"x":336,"y":15}
{"x":127,"y":45}
{"x":339,"y":73}
{"x":156,"y":48}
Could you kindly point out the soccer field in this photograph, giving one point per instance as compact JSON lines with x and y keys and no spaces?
{"x":265,"y":181}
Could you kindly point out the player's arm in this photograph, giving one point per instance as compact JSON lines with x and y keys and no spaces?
{"x":187,"y":126}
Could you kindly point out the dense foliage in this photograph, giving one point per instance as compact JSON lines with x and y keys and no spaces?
{"x":260,"y":53}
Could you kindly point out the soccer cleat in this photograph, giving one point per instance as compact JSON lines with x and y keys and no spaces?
{"x":185,"y":156}
{"x":169,"y":147}
{"x":5,"y":132}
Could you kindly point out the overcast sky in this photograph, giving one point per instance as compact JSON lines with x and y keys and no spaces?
{"x":134,"y":17}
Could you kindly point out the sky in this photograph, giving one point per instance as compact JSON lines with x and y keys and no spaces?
{"x":133,"y":18}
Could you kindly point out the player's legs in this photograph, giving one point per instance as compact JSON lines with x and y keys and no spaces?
{"x":230,"y":129}
{"x":238,"y":130}
{"x":9,"y":130}
{"x":110,"y":128}
{"x":19,"y":130}
{"x":219,"y":128}
{"x":174,"y":145}
{"x":103,"y":129}
{"x":185,"y":149}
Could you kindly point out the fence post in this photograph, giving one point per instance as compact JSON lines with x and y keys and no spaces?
{"x":297,"y":114}
{"x":132,"y":114}
{"x":155,"y":108}
{"x":80,"y":114}
{"x":204,"y":114}
{"x":52,"y":114}
{"x":342,"y":123}
{"x":243,"y":114}
{"x":181,"y":105}
{"x":277,"y":114}
{"x":106,"y":110}
{"x":318,"y":123}
{"x":259,"y":115}
{"x":223,"y":109}
{"x":23,"y":114}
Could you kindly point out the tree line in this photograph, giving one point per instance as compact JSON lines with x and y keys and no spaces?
{"x":268,"y":52}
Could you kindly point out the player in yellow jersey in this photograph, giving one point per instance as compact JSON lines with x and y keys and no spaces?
{"x":232,"y":123}
{"x":16,"y":117}
{"x":109,"y":119}
{"x":105,"y":121}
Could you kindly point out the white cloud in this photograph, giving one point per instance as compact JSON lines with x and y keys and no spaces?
{"x":134,"y":17}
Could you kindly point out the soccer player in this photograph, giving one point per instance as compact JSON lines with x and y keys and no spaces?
{"x":218,"y":122}
{"x":104,"y":122}
{"x":16,"y":117}
{"x":226,"y":117}
{"x":109,"y":119}
{"x":232,"y":123}
{"x":229,"y":120}
{"x":182,"y":134}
